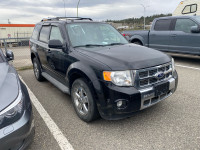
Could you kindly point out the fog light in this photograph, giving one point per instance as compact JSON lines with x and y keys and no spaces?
{"x":119,"y":103}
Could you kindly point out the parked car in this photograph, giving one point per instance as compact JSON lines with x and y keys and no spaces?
{"x":103,"y":73}
{"x":179,"y":34}
{"x":16,"y":118}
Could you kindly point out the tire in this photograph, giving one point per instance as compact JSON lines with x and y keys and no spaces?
{"x":37,"y":70}
{"x":137,"y":42}
{"x":83,"y":100}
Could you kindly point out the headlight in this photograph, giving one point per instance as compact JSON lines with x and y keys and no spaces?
{"x":13,"y":112}
{"x":120,"y":78}
{"x":173,"y":65}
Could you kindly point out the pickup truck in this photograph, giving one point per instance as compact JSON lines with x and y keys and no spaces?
{"x":179,"y":34}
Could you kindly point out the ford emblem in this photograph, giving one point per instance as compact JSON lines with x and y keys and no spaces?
{"x":159,"y":75}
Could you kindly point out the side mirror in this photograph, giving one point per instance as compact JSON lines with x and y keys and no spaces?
{"x":9,"y":55}
{"x":55,"y":44}
{"x":195,"y":29}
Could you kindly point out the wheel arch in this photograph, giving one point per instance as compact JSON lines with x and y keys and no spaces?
{"x":78,"y":70}
{"x":137,"y":38}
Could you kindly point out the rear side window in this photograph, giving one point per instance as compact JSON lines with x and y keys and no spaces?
{"x":162,"y":25}
{"x":44,"y":34}
{"x":36,"y":32}
{"x":56,"y":34}
{"x":190,"y":9}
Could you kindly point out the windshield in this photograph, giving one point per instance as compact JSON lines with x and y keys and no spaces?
{"x":94,"y":34}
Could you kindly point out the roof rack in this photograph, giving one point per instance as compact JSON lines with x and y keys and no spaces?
{"x":65,"y":18}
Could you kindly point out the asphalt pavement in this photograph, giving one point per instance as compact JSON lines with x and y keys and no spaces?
{"x":171,"y":124}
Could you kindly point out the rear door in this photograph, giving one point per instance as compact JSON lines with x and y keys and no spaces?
{"x":182,"y":39}
{"x":42,"y":47}
{"x":159,"y":35}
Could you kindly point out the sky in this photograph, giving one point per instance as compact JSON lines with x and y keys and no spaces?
{"x":31,"y":12}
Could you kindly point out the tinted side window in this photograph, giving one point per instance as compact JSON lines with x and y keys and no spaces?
{"x":44,"y":34}
{"x":56,"y":34}
{"x":36,"y":32}
{"x":162,"y":25}
{"x":190,"y":9}
{"x":184,"y":25}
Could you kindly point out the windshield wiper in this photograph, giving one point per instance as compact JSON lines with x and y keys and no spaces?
{"x":111,"y":44}
{"x":88,"y":45}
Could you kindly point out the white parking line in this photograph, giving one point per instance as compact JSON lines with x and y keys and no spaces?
{"x":188,"y":67}
{"x":55,"y":131}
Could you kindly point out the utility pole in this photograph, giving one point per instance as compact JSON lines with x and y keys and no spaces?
{"x":144,"y":14}
{"x":64,"y":7}
{"x":77,"y":7}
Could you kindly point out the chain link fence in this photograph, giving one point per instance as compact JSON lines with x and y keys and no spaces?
{"x":21,"y":50}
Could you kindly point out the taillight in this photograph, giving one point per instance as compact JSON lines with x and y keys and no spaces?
{"x":125,"y":35}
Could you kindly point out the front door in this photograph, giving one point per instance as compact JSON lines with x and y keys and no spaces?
{"x":182,"y":39}
{"x":59,"y":60}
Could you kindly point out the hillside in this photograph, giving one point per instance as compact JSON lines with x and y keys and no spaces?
{"x":138,"y":22}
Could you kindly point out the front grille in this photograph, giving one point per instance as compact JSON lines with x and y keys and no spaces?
{"x":148,"y":76}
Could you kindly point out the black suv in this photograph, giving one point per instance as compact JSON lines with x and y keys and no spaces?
{"x":99,"y":68}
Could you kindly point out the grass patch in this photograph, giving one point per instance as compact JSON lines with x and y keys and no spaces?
{"x":24,"y":68}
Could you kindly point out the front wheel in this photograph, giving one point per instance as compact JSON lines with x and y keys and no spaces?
{"x":83,"y":100}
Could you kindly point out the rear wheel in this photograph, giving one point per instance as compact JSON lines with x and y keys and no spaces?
{"x":83,"y":100}
{"x":37,"y":70}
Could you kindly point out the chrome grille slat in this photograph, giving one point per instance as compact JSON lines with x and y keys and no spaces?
{"x":146,"y":76}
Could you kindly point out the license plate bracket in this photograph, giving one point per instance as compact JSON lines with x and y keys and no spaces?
{"x":161,"y":88}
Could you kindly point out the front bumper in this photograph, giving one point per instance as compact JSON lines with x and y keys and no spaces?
{"x":18,"y":135}
{"x":135,"y":99}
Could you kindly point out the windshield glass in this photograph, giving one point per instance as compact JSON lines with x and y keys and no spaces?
{"x":94,"y":34}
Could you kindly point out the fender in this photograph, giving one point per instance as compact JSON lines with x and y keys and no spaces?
{"x":79,"y":67}
{"x":88,"y":72}
{"x":139,"y":37}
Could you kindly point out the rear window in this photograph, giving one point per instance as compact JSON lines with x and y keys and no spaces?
{"x":44,"y":34}
{"x":162,"y":25}
{"x":36,"y":32}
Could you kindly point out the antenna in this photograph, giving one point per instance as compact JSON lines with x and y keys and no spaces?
{"x":64,"y":7}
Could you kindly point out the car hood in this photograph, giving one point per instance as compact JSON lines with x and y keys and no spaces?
{"x":9,"y":86}
{"x":127,"y":57}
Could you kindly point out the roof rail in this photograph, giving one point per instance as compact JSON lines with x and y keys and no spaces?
{"x":66,"y":18}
